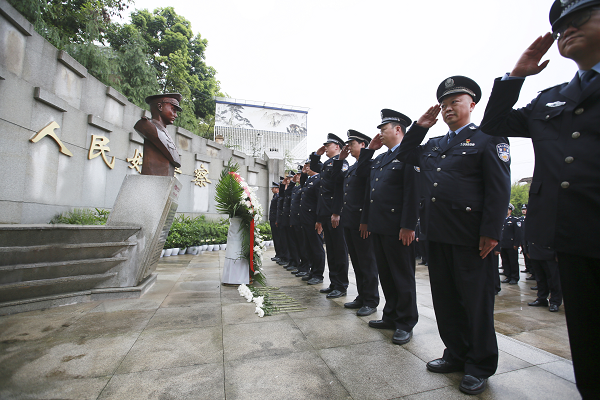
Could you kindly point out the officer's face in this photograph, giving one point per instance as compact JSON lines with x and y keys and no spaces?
{"x":456,"y":110}
{"x":355,"y":147}
{"x":275,"y":190}
{"x":581,"y":43}
{"x":331,"y":149}
{"x":524,"y":211}
{"x":390,"y":134}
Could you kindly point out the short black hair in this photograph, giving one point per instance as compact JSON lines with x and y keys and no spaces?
{"x":395,"y":124}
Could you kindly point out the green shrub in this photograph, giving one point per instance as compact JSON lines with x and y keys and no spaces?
{"x":82,"y":216}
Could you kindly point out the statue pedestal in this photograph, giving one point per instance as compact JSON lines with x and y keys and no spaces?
{"x":149,"y":202}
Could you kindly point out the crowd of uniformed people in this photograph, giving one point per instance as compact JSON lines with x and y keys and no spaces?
{"x":447,"y":198}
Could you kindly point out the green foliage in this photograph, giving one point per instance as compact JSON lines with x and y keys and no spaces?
{"x":265,"y":230}
{"x":82,"y":216}
{"x":519,"y":195}
{"x":228,"y":192}
{"x":187,"y":231}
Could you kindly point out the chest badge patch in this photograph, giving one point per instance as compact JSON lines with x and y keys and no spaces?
{"x":345,"y":167}
{"x":417,"y":169}
{"x":468,"y":143}
{"x":556,"y":104}
{"x":503,"y":150}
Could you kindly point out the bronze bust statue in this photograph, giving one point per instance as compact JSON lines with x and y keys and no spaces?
{"x":160,"y":152}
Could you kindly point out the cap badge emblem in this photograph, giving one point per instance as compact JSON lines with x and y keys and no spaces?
{"x":449,"y":82}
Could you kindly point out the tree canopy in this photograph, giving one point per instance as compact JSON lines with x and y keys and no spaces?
{"x":156,"y":52}
{"x":519,"y":195}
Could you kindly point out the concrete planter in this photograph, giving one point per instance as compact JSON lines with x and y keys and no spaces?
{"x":182,"y":251}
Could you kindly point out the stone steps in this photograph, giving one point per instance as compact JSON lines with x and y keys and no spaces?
{"x":60,"y":252}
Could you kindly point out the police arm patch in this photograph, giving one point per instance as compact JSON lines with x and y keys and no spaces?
{"x":503,"y":151}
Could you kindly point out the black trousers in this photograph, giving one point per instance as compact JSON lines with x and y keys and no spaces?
{"x":510,"y":262}
{"x":365,"y":267}
{"x":424,"y":249}
{"x":294,"y":256}
{"x":548,"y":280}
{"x":462,"y":287}
{"x":496,"y":264}
{"x":580,"y":280}
{"x":284,"y":252}
{"x":300,"y":240}
{"x":276,"y":234}
{"x":396,"y":267}
{"x":316,"y":253}
{"x":337,"y":256}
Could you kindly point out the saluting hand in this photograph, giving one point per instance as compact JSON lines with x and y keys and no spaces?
{"x":344,"y":153}
{"x":376,"y":143}
{"x":429,"y":119}
{"x":529,"y":64}
{"x":320,"y":151}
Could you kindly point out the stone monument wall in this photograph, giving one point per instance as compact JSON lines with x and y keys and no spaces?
{"x":67,"y":140}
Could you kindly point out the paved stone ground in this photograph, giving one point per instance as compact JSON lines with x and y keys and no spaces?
{"x":190,"y":337}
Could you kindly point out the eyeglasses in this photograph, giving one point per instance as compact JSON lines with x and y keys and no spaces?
{"x":578,"y":21}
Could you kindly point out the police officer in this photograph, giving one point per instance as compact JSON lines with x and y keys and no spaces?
{"x":524,"y":249}
{"x":328,"y":213}
{"x":308,"y":217}
{"x":392,"y":213}
{"x":284,"y":258}
{"x":275,"y":234}
{"x":509,"y":247}
{"x":359,"y":242}
{"x":285,"y":225}
{"x":467,"y":177}
{"x":563,"y":123}
{"x":296,"y":223}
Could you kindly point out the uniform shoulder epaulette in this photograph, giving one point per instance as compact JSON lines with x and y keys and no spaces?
{"x":552,"y":87}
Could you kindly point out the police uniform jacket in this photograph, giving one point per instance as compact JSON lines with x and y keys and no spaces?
{"x":353,"y":191}
{"x":273,"y":208}
{"x":524,"y":245}
{"x":287,"y":200}
{"x":329,"y":203}
{"x":309,"y":200}
{"x":295,"y":205}
{"x":563,"y":123}
{"x":280,"y":205}
{"x":511,"y":233}
{"x":467,"y":184}
{"x":393,"y":195}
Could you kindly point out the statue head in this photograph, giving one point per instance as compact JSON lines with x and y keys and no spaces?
{"x":164,"y":107}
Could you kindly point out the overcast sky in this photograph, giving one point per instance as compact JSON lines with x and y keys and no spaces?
{"x":346,"y":60}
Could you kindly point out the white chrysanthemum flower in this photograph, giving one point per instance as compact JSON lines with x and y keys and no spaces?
{"x":260,"y":312}
{"x":259,"y":301}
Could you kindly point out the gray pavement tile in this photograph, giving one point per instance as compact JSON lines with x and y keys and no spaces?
{"x":264,"y":338}
{"x":564,"y":369}
{"x":293,"y":376}
{"x":426,"y":347}
{"x":525,"y":352}
{"x":530,"y":383}
{"x":127,"y":304}
{"x":108,"y":324}
{"x":242,"y":312}
{"x":539,"y":339}
{"x":380,"y":370}
{"x":157,"y":349}
{"x":44,"y":389}
{"x":19,"y":327}
{"x":190,"y":299}
{"x":201,"y":276}
{"x":199,"y":316}
{"x":197,"y":382}
{"x":507,"y":363}
{"x":339,"y":330}
{"x":196,"y":286}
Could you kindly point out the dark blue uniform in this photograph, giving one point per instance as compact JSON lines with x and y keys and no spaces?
{"x":296,"y":223}
{"x":510,"y":238}
{"x":285,"y":252}
{"x":361,"y":253}
{"x":335,"y":244}
{"x":275,"y":232}
{"x":467,"y":184}
{"x":563,"y":123}
{"x":392,"y":203}
{"x":286,"y":226}
{"x":308,"y":218}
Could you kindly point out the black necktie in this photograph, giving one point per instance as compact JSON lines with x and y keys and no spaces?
{"x":451,"y":135}
{"x":587,"y":77}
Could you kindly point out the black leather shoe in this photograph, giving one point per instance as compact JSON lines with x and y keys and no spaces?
{"x":401,"y":337}
{"x":381,"y":324}
{"x":354,"y":304}
{"x":538,"y":303}
{"x":275,"y":258}
{"x":442,"y":366}
{"x":533,"y":288}
{"x":553,"y":308}
{"x":307,"y":277}
{"x":366,"y":310}
{"x":506,"y":280}
{"x":335,"y":294}
{"x":314,"y":281}
{"x":472,"y":385}
{"x":525,"y":271}
{"x":283,"y":263}
{"x":530,"y":278}
{"x":301,"y":274}
{"x":326,"y":290}
{"x":513,"y":282}
{"x":293,"y":271}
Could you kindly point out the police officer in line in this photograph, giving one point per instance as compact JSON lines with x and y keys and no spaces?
{"x":524,"y":247}
{"x":564,"y":127}
{"x":353,"y":220}
{"x":296,"y":223}
{"x":283,"y":240}
{"x":328,"y":213}
{"x":286,"y":188}
{"x":275,"y":234}
{"x":466,"y":175}
{"x":509,"y":247}
{"x":391,"y":213}
{"x":308,"y":216}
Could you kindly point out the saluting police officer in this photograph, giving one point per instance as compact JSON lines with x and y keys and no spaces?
{"x":275,"y":234}
{"x":509,"y":247}
{"x":328,"y":213}
{"x":392,"y":213}
{"x":564,"y":125}
{"x":308,"y":217}
{"x":467,"y":177}
{"x":284,"y":221}
{"x":285,"y":252}
{"x":296,"y":223}
{"x":353,"y":220}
